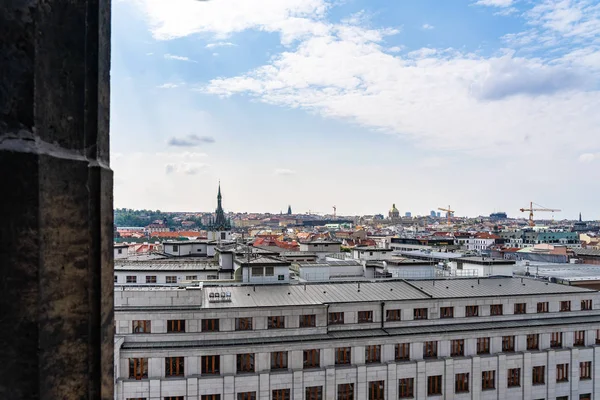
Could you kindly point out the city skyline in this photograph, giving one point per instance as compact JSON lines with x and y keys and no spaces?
{"x":482,"y":105}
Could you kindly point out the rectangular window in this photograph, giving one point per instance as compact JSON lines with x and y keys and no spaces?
{"x":406,"y":388}
{"x":245,"y":362}
{"x":457,"y":348}
{"x":308,"y":321}
{"x":281,"y":277}
{"x":556,"y":340}
{"x":402,"y":352}
{"x":141,"y":326}
{"x":211,"y":365}
{"x":210,"y":397}
{"x":116,"y":279}
{"x":520,"y":308}
{"x":393,"y":315}
{"x":171,"y":279}
{"x":365,"y":316}
{"x":420,"y":313}
{"x":586,"y":396}
{"x":138,"y":368}
{"x":175,"y":325}
{"x":336,"y":318}
{"x":496,"y":309}
{"x":514,"y":377}
{"x":243,"y":324}
{"x":533,"y":341}
{"x":508,"y":343}
{"x":472,"y":311}
{"x":269,"y":271}
{"x":174,"y":366}
{"x":565,"y":306}
{"x":257,"y":271}
{"x":281,"y":394}
{"x":430,"y":349}
{"x":173,"y":398}
{"x":488,"y":380}
{"x":342,"y":355}
{"x":345,"y":391}
{"x":246,"y":396}
{"x":446,"y":312}
{"x":279,"y":360}
{"x":210,"y":325}
{"x":597,"y":336}
{"x":373,"y":354}
{"x":586,"y":305}
{"x":191,"y":277}
{"x":483,"y":345}
{"x":539,"y":375}
{"x":277,"y":322}
{"x":131,"y":279}
{"x":312,"y":358}
{"x":434,"y":385}
{"x":585,"y":370}
{"x":151,"y":279}
{"x":562,"y":372}
{"x":579,"y":338}
{"x":377,"y":390}
{"x":461,"y":383}
{"x":314,"y":393}
{"x":175,"y":247}
{"x":542,"y":307}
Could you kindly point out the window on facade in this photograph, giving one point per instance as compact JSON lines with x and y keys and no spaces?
{"x":171,"y":279}
{"x":508,"y":343}
{"x":345,"y":391}
{"x":514,"y":377}
{"x":314,"y":393}
{"x":586,"y":305}
{"x":579,"y":338}
{"x":191,"y":277}
{"x":430,"y":349}
{"x":542,"y":307}
{"x":269,"y":271}
{"x":210,"y":325}
{"x":175,"y":325}
{"x":483,"y":345}
{"x":446,"y":312}
{"x":140,"y":326}
{"x":597,"y":336}
{"x":434,"y":385}
{"x":496,"y":309}
{"x":457,"y":348}
{"x":402,"y":352}
{"x":472,"y":311}
{"x":488,"y":380}
{"x":210,"y":397}
{"x":312,"y":358}
{"x":585,"y":370}
{"x":276,"y":322}
{"x":138,"y":398}
{"x":586,"y":396}
{"x":308,"y":321}
{"x":461,"y":383}
{"x":538,"y":375}
{"x":174,"y":366}
{"x":257,"y":271}
{"x":131,"y":279}
{"x":377,"y":390}
{"x":365,"y":316}
{"x":245,"y":362}
{"x":246,"y":396}
{"x":175,"y":247}
{"x":406,"y":388}
{"x":533,"y":341}
{"x":420,"y":313}
{"x":562,"y":372}
{"x":373,"y":354}
{"x":138,"y":368}
{"x":116,"y":279}
{"x":211,"y":365}
{"x":556,"y":340}
{"x":243,"y":324}
{"x":520,"y":308}
{"x":393,"y":315}
{"x":336,"y":318}
{"x":279,"y":360}
{"x":173,"y":398}
{"x":565,"y":306}
{"x":151,"y":279}
{"x":281,"y":394}
{"x":342,"y":355}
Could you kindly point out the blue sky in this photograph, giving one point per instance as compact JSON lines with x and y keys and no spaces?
{"x":481,"y":104}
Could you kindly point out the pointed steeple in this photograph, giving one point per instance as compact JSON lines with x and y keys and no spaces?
{"x":579,"y":217}
{"x":220,"y":223}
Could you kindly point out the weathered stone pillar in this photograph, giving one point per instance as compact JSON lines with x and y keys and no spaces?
{"x":56,"y":221}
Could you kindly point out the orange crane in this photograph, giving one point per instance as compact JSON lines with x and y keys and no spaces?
{"x":531,"y":210}
{"x":449,"y":213}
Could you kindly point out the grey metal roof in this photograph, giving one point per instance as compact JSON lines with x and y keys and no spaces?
{"x":165,"y":266}
{"x":567,"y":272}
{"x":586,"y":252}
{"x":332,"y":263}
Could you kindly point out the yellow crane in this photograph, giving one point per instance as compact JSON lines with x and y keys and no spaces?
{"x":449,"y":213}
{"x":541,"y":208}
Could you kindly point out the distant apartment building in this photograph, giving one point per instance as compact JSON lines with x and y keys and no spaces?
{"x":528,"y":238}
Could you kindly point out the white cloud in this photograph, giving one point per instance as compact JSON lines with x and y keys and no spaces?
{"x":588,"y":157}
{"x":191,"y":140}
{"x":215,"y":54}
{"x":395,"y":49}
{"x":149,"y":54}
{"x":494,"y":3}
{"x":169,"y":85}
{"x":284,"y":172}
{"x":427,"y":27}
{"x":179,"y":58}
{"x":186,"y":168}
{"x":220,"y":44}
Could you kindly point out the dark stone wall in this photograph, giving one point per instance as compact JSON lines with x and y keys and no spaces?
{"x":56,"y":256}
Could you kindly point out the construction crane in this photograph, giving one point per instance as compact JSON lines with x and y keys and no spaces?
{"x":531,"y":210}
{"x":334,"y":209}
{"x":449,"y":213}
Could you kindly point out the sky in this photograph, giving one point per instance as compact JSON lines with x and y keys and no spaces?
{"x":483,"y":105}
